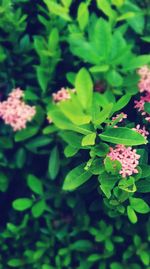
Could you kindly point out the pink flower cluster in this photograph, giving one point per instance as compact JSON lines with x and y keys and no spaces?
{"x":141,"y":131}
{"x":122,"y":116}
{"x":15,"y":112}
{"x":128,"y":158}
{"x":62,"y":94}
{"x":144,"y":83}
{"x":139,"y":105}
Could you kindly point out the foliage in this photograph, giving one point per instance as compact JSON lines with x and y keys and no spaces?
{"x":63,"y":200}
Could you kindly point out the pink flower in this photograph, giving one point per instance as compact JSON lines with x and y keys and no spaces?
{"x":15,"y":112}
{"x":128,"y":158}
{"x":142,"y":131}
{"x":121,"y":115}
{"x":144,"y":83}
{"x":62,"y":94}
{"x":139,"y":105}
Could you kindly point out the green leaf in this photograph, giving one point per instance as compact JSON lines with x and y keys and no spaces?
{"x":68,"y":107}
{"x":102,"y":39}
{"x":84,"y":88}
{"x":99,"y":68}
{"x":114,"y":78}
{"x":118,"y":3}
{"x":53,"y":40}
{"x":70,"y":151}
{"x":89,"y":139}
{"x":66,"y":3}
{"x":122,"y":102}
{"x":35,"y":184}
{"x":143,"y":186}
{"x":26,"y":133}
{"x":72,"y":138}
{"x":94,"y":257}
{"x":43,"y":77}
{"x":105,"y":6}
{"x":147,"y":107}
{"x":37,"y":142}
{"x":15,"y":263}
{"x":100,"y":150}
{"x":84,"y":50}
{"x":22,"y":204}
{"x":107,"y":183}
{"x":98,"y":116}
{"x":81,"y":245}
{"x":112,"y":166}
{"x":116,"y":265}
{"x":136,"y":62}
{"x":63,"y":123}
{"x":5,"y":143}
{"x":126,"y":16}
{"x":38,"y":209}
{"x":123,"y":136}
{"x":83,"y":15}
{"x":3,"y":182}
{"x":57,"y":9}
{"x":20,"y":157}
{"x":50,"y":129}
{"x":127,"y":185}
{"x":46,"y":266}
{"x":131,"y":214}
{"x":139,"y":205}
{"x":146,"y":38}
{"x":54,"y":163}
{"x":145,"y":170}
{"x":145,"y":257}
{"x":76,"y":177}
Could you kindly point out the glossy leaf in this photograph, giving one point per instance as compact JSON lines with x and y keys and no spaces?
{"x":123,"y":135}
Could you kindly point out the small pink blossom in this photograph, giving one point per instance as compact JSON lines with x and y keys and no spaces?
{"x":128,"y":158}
{"x":15,"y":112}
{"x":62,"y":94}
{"x":122,"y":116}
{"x":144,"y":83}
{"x":139,"y":105}
{"x":141,"y":131}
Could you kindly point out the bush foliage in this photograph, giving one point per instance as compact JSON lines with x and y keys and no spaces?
{"x":65,"y":202}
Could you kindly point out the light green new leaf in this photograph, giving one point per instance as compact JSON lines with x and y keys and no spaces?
{"x":35,"y":184}
{"x":73,"y":112}
{"x":22,"y":204}
{"x":105,"y":6}
{"x":65,"y":124}
{"x":83,"y":15}
{"x":84,"y":88}
{"x":76,"y":177}
{"x":66,"y":3}
{"x":89,"y":139}
{"x":103,"y":115}
{"x":126,"y":16}
{"x":58,"y":10}
{"x":124,"y":136}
